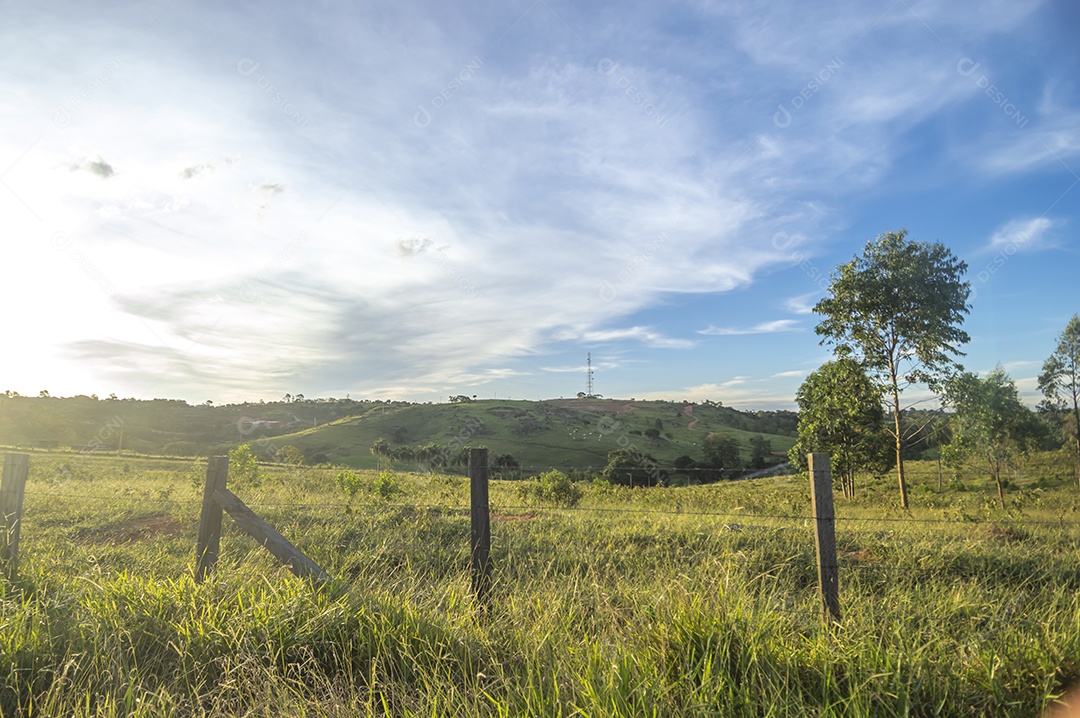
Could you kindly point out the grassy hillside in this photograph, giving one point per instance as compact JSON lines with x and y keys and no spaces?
{"x":575,"y":432}
{"x":86,"y":423}
{"x":570,"y":432}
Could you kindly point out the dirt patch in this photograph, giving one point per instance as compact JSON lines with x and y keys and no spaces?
{"x":138,"y":529}
{"x":611,"y":406}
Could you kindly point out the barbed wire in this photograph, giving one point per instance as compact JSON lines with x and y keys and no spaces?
{"x":539,"y":510}
{"x":113,"y":498}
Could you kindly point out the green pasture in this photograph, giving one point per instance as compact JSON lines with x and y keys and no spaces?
{"x":690,"y":601}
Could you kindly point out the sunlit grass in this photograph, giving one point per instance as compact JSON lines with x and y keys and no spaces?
{"x":689,"y":601}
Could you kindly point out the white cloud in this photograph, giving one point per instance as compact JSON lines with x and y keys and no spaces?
{"x":803,"y":303}
{"x":797,"y":373}
{"x":777,"y":325}
{"x":643,"y":334}
{"x":1055,"y":145}
{"x":1020,"y":235}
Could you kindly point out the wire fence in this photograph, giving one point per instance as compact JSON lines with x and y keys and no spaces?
{"x":529,"y":535}
{"x":542,"y":508}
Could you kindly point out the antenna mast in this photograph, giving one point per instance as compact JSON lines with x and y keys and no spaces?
{"x":589,"y":375}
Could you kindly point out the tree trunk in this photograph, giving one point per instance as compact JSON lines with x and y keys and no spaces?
{"x":899,"y":446}
{"x":1076,"y":430}
{"x":1001,"y":491}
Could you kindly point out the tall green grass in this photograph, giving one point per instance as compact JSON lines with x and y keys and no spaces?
{"x":695,"y":601}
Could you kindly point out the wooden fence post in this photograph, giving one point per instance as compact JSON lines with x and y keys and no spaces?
{"x":12,"y":490}
{"x":268,"y":537}
{"x":481,"y":524}
{"x":821,"y":496}
{"x":207,"y":549}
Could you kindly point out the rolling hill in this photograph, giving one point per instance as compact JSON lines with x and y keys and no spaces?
{"x":557,"y":432}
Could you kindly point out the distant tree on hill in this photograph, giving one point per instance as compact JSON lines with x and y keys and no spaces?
{"x":461,"y":399}
{"x":760,"y":452}
{"x":431,"y":456}
{"x":380,"y":449}
{"x":721,"y":455}
{"x":505,"y":466}
{"x":628,"y":467}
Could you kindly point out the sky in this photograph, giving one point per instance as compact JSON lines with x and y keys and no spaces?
{"x":237,"y":201}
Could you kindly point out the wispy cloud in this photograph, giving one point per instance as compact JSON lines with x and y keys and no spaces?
{"x":646,"y":335}
{"x":1023,"y":235}
{"x":777,"y":325}
{"x":803,"y":303}
{"x":793,"y":373}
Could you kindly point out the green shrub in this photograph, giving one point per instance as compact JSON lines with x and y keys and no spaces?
{"x":386,"y":485}
{"x":551,"y":487}
{"x":349,"y":481}
{"x":243,"y":469}
{"x":290,"y":455}
{"x":197,"y":473}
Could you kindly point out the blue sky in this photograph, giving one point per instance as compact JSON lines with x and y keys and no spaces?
{"x":237,"y":201}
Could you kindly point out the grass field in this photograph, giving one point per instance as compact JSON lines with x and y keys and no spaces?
{"x":692,"y":601}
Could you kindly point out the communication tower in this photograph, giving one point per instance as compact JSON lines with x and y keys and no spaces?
{"x":589,"y":376}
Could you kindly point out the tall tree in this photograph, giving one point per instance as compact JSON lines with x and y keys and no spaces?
{"x":760,"y":451}
{"x":381,"y":450}
{"x":722,"y":457}
{"x":897,"y":309}
{"x":1060,"y":381}
{"x":990,"y":423}
{"x":840,"y":412}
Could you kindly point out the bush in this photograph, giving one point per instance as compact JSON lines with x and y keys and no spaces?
{"x":551,"y":487}
{"x":290,"y":455}
{"x":243,"y":469}
{"x":349,"y":482}
{"x":197,"y":474}
{"x":386,"y":485}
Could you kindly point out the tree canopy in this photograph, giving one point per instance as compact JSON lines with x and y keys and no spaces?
{"x":897,"y":310}
{"x":840,"y":413}
{"x":991,"y":424}
{"x":1060,"y":381}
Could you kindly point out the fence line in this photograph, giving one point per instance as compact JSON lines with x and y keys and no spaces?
{"x":512,"y":546}
{"x":803,"y":518}
{"x":114,"y":499}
